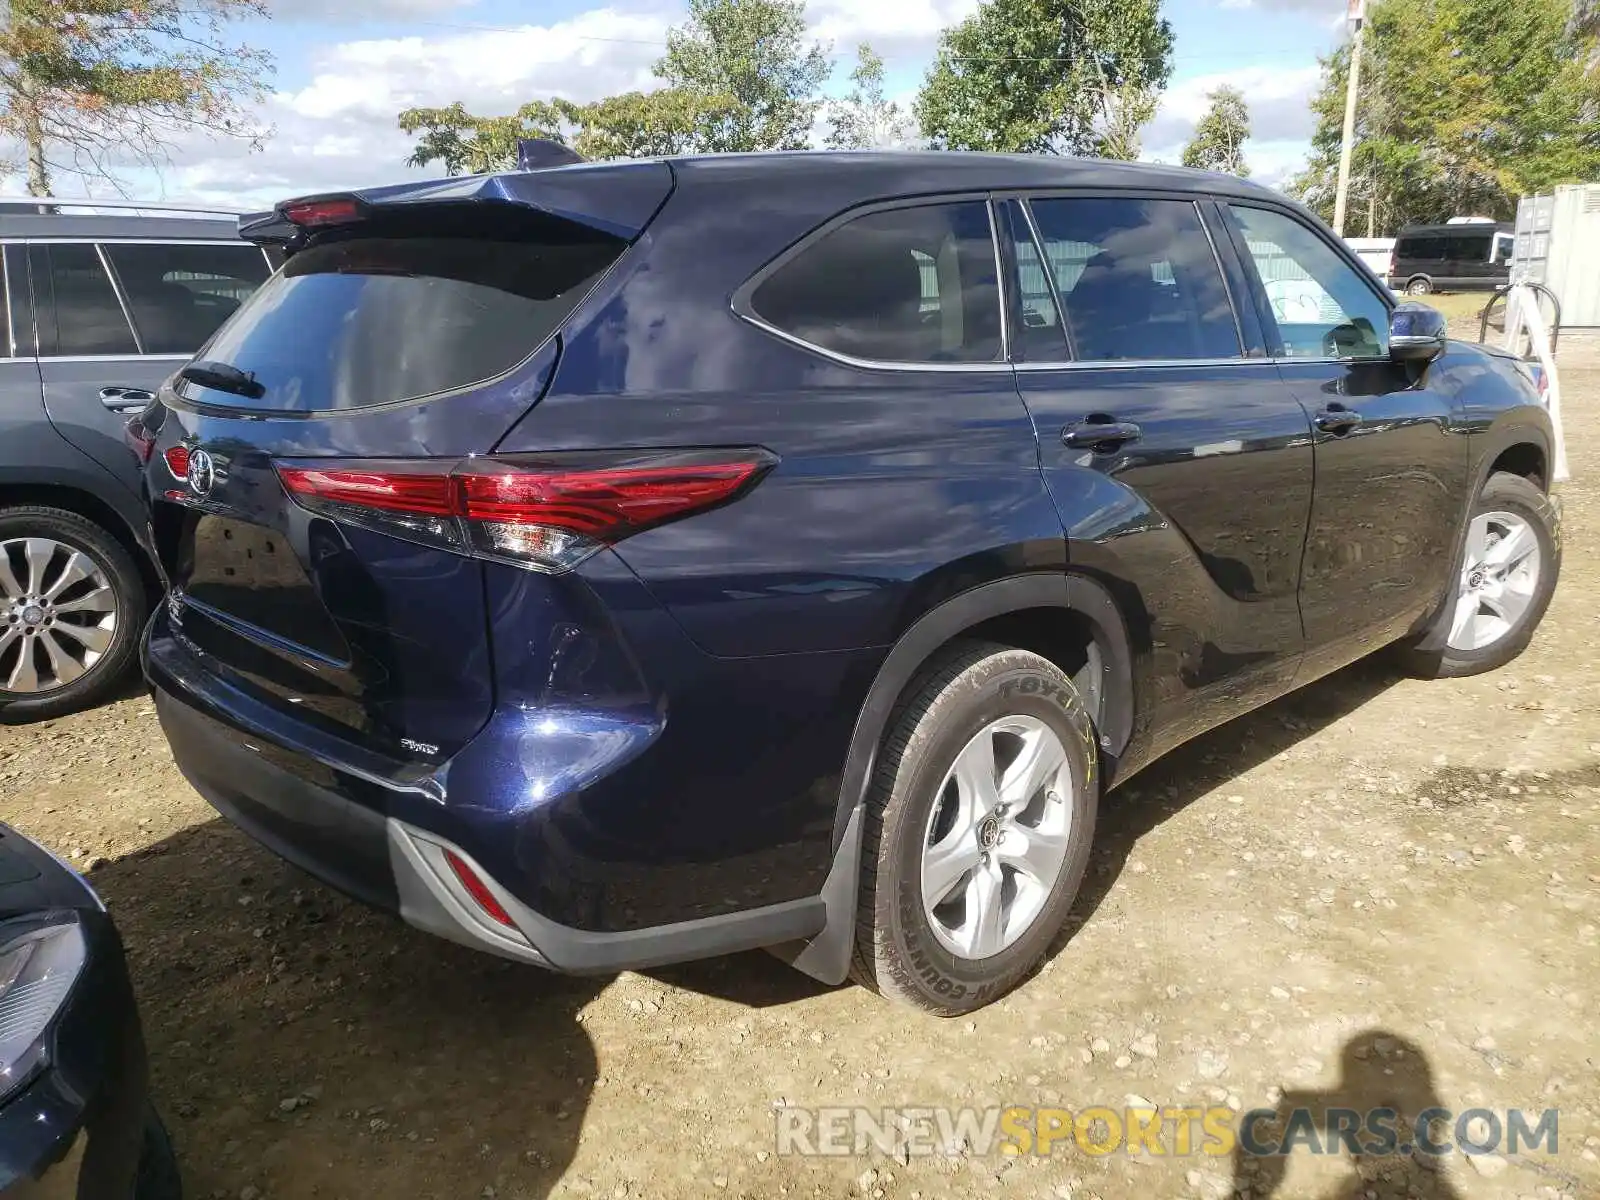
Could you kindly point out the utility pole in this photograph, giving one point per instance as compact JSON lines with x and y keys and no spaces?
{"x":1357,"y":17}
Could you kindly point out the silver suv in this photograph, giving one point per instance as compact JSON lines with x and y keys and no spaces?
{"x":101,"y":302}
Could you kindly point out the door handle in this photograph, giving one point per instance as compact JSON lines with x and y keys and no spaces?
{"x":125,"y":399}
{"x":1337,"y":420}
{"x":1103,"y":436}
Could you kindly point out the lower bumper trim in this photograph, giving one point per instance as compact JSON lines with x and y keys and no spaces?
{"x":389,"y":864}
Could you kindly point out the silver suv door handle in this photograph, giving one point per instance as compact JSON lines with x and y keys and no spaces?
{"x":125,"y":399}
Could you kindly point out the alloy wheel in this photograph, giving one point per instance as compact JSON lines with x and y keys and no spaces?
{"x":58,"y":614}
{"x":1499,"y":579}
{"x":997,"y":837}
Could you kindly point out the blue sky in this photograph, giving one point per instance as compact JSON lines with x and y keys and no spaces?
{"x":346,"y":67}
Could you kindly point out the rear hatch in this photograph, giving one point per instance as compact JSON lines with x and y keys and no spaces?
{"x":297,"y":458}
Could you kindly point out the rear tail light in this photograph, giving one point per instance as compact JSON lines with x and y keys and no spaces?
{"x":547,"y":512}
{"x":177,"y":461}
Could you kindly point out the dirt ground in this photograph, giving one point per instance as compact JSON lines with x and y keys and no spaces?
{"x":1373,"y":890}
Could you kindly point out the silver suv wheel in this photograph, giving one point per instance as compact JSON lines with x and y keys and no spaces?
{"x":1499,"y":579}
{"x":997,"y":837}
{"x":58,"y":614}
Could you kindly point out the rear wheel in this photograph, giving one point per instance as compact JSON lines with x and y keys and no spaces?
{"x":1506,"y":574}
{"x":979,"y":824}
{"x":71,"y":607}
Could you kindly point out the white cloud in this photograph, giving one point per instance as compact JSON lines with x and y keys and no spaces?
{"x":1281,"y":123}
{"x":350,"y":11}
{"x":893,"y":27}
{"x":339,"y":129}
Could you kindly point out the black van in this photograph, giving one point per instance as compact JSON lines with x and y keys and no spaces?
{"x":1468,"y":256}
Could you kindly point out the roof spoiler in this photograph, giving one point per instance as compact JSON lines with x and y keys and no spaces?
{"x":614,"y":199}
{"x":266,"y":228}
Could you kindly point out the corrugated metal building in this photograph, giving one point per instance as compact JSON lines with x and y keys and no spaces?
{"x":1558,"y":245}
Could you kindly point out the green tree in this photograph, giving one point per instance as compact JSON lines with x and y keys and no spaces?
{"x":88,"y":84}
{"x":1125,"y":110}
{"x":865,"y":119}
{"x":1220,"y":134}
{"x":469,"y":145}
{"x":1041,"y":76}
{"x":632,"y":125}
{"x":1464,"y":105}
{"x":647,"y":124}
{"x":754,"y":52}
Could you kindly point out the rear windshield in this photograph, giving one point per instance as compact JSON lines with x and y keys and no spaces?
{"x":364,"y":321}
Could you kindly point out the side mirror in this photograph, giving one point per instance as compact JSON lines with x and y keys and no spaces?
{"x":1417,"y":333}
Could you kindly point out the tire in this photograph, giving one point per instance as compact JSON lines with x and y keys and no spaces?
{"x":1439,"y":652}
{"x":158,"y":1177}
{"x":1420,"y":286}
{"x":904,"y":948}
{"x":115,"y":581}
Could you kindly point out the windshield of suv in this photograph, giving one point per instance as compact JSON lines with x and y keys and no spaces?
{"x":364,"y":321}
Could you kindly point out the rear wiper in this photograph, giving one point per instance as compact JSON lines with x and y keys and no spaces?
{"x":224,"y":377}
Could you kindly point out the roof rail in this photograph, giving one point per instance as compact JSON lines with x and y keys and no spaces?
{"x":49,"y":203}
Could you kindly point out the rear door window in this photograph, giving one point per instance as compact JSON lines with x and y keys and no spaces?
{"x":1138,"y":279}
{"x":360,"y":321}
{"x":178,"y":295}
{"x":78,"y":309}
{"x":907,"y":285}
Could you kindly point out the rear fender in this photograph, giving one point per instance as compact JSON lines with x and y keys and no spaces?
{"x":827,"y":956}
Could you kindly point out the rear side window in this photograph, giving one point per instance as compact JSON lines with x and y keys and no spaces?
{"x":1470,"y":247}
{"x":910,"y":285}
{"x":370,"y":320}
{"x":1137,"y":279}
{"x":179,"y":295}
{"x":1423,"y":247}
{"x":78,"y":311}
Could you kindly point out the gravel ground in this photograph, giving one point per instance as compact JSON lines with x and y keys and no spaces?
{"x":1375,"y":890}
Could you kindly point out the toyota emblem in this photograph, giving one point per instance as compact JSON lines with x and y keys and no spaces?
{"x":202,"y":473}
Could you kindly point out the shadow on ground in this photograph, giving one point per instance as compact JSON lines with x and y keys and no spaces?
{"x":294,"y":1034}
{"x":1385,"y":1085}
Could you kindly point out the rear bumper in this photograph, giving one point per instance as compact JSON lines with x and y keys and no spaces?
{"x":387,"y":848}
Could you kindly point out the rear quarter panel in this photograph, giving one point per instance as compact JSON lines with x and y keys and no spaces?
{"x":894,"y":488}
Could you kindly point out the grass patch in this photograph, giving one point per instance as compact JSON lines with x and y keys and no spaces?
{"x":1457,"y":305}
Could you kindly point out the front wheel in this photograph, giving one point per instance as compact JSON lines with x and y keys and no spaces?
{"x":1506,"y":574}
{"x":978,"y":830}
{"x":1419,"y":286}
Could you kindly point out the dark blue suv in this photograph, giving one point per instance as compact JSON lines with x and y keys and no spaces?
{"x":613,"y":564}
